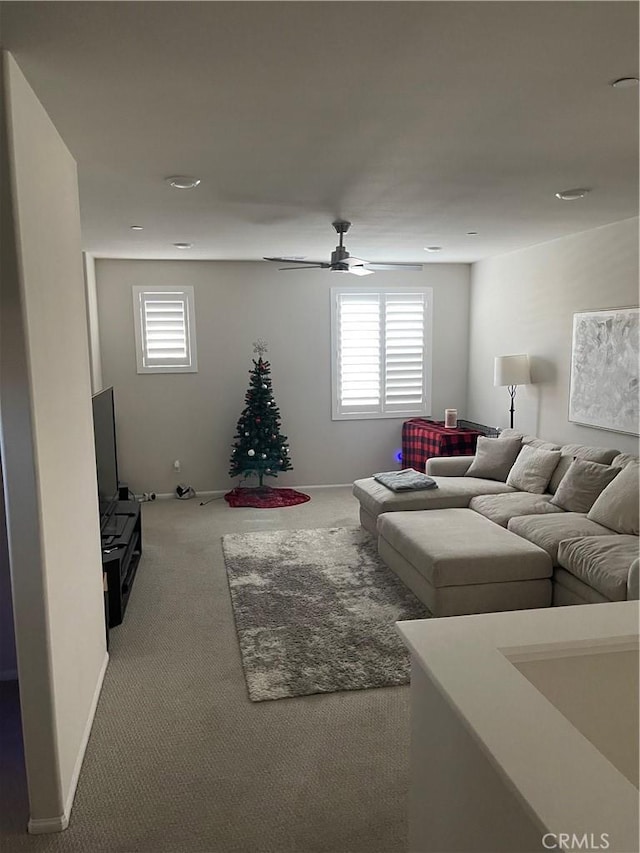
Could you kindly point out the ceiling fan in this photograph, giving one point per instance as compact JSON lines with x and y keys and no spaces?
{"x":341,"y":260}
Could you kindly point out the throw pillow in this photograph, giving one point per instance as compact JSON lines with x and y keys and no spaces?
{"x":579,"y":451}
{"x":532,"y":469}
{"x":494,"y":458}
{"x":617,"y":506}
{"x":582,"y":484}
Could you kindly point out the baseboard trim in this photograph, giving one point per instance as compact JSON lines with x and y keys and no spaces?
{"x":40,"y":826}
{"x":45,"y":825}
{"x":9,"y":675}
{"x":218,"y":493}
{"x":325,"y":486}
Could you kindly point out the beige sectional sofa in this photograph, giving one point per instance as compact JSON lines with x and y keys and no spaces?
{"x":513,"y":540}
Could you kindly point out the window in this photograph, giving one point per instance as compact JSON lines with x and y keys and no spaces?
{"x":381,"y":352}
{"x":165,"y":330}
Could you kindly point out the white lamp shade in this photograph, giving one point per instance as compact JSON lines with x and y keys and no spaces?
{"x":511,"y":370}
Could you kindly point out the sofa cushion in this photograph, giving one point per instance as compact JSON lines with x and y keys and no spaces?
{"x":456,"y":547}
{"x":579,"y":451}
{"x":633,"y":581}
{"x":568,"y":590}
{"x":531,"y":440}
{"x":451,"y":492}
{"x":502,"y":508}
{"x":602,"y":562}
{"x":532,"y":469}
{"x":582,"y":484}
{"x":548,"y":531}
{"x":624,"y":459}
{"x":494,"y":458}
{"x":617,"y":506}
{"x":538,"y":443}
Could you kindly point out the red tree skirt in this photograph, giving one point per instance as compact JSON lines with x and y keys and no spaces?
{"x":265,"y":497}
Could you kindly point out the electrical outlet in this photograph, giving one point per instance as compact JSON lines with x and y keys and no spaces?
{"x":176,"y":465}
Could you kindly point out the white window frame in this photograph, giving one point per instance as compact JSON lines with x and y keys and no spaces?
{"x":167,"y":293}
{"x":338,"y":413}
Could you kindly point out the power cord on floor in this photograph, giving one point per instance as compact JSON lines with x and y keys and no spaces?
{"x":214,"y":498}
{"x":242,"y":480}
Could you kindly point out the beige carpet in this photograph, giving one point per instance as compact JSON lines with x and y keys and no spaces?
{"x":181,"y":760}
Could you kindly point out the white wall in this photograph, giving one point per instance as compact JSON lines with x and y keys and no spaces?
{"x":524,"y":303}
{"x":95,"y":359}
{"x":192,"y":417}
{"x":8,"y":665}
{"x":48,"y":455}
{"x":458,"y":799}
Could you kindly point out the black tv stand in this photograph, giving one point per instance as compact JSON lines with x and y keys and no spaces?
{"x":120,"y":557}
{"x":114,"y":526}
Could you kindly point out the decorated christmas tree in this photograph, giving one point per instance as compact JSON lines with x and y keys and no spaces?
{"x":259,"y":447}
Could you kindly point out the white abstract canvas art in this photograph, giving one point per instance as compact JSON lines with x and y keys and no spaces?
{"x":604,"y":370}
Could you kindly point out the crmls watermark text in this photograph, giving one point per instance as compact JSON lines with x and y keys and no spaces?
{"x":587,"y":841}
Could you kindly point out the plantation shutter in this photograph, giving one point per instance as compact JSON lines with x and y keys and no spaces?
{"x":381,"y":351}
{"x":165,"y":332}
{"x":404,"y":352}
{"x":360,"y":351}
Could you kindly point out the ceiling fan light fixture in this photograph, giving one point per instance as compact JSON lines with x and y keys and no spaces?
{"x":182,"y":182}
{"x":572,"y":195}
{"x":625,"y":83}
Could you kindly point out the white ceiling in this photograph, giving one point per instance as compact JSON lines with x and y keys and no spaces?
{"x":418,"y":121}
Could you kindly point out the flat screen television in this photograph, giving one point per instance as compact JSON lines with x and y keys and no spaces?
{"x":104,"y":431}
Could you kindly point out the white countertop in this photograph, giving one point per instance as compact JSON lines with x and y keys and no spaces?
{"x":563,"y":780}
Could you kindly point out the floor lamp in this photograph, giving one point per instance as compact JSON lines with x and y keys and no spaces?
{"x":511,"y":370}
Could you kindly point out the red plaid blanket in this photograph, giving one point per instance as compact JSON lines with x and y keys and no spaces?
{"x":422,"y":439}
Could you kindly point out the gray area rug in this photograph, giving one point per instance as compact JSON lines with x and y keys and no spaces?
{"x":315,"y":612}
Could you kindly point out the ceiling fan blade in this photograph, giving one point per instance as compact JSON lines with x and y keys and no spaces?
{"x":360,"y":271}
{"x":396,"y":267}
{"x":307,"y":267}
{"x":298,"y":261}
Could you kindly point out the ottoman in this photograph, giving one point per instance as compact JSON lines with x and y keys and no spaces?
{"x":375,"y":498}
{"x":457,"y":561}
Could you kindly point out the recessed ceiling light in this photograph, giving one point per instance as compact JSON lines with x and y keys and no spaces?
{"x":183,"y":245}
{"x":572,"y":195}
{"x":472,"y":233}
{"x":182,"y":182}
{"x":433,"y":248}
{"x":136,"y":227}
{"x":625,"y":83}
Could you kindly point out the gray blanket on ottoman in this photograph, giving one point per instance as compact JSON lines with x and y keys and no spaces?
{"x":407,"y":480}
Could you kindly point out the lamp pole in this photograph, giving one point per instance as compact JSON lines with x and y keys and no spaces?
{"x":512,"y":394}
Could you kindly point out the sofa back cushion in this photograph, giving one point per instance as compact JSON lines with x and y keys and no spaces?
{"x":582,"y":484}
{"x":579,"y":451}
{"x":624,"y":459}
{"x":494,"y":458}
{"x":617,"y":507}
{"x":532,"y":469}
{"x":531,"y":440}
